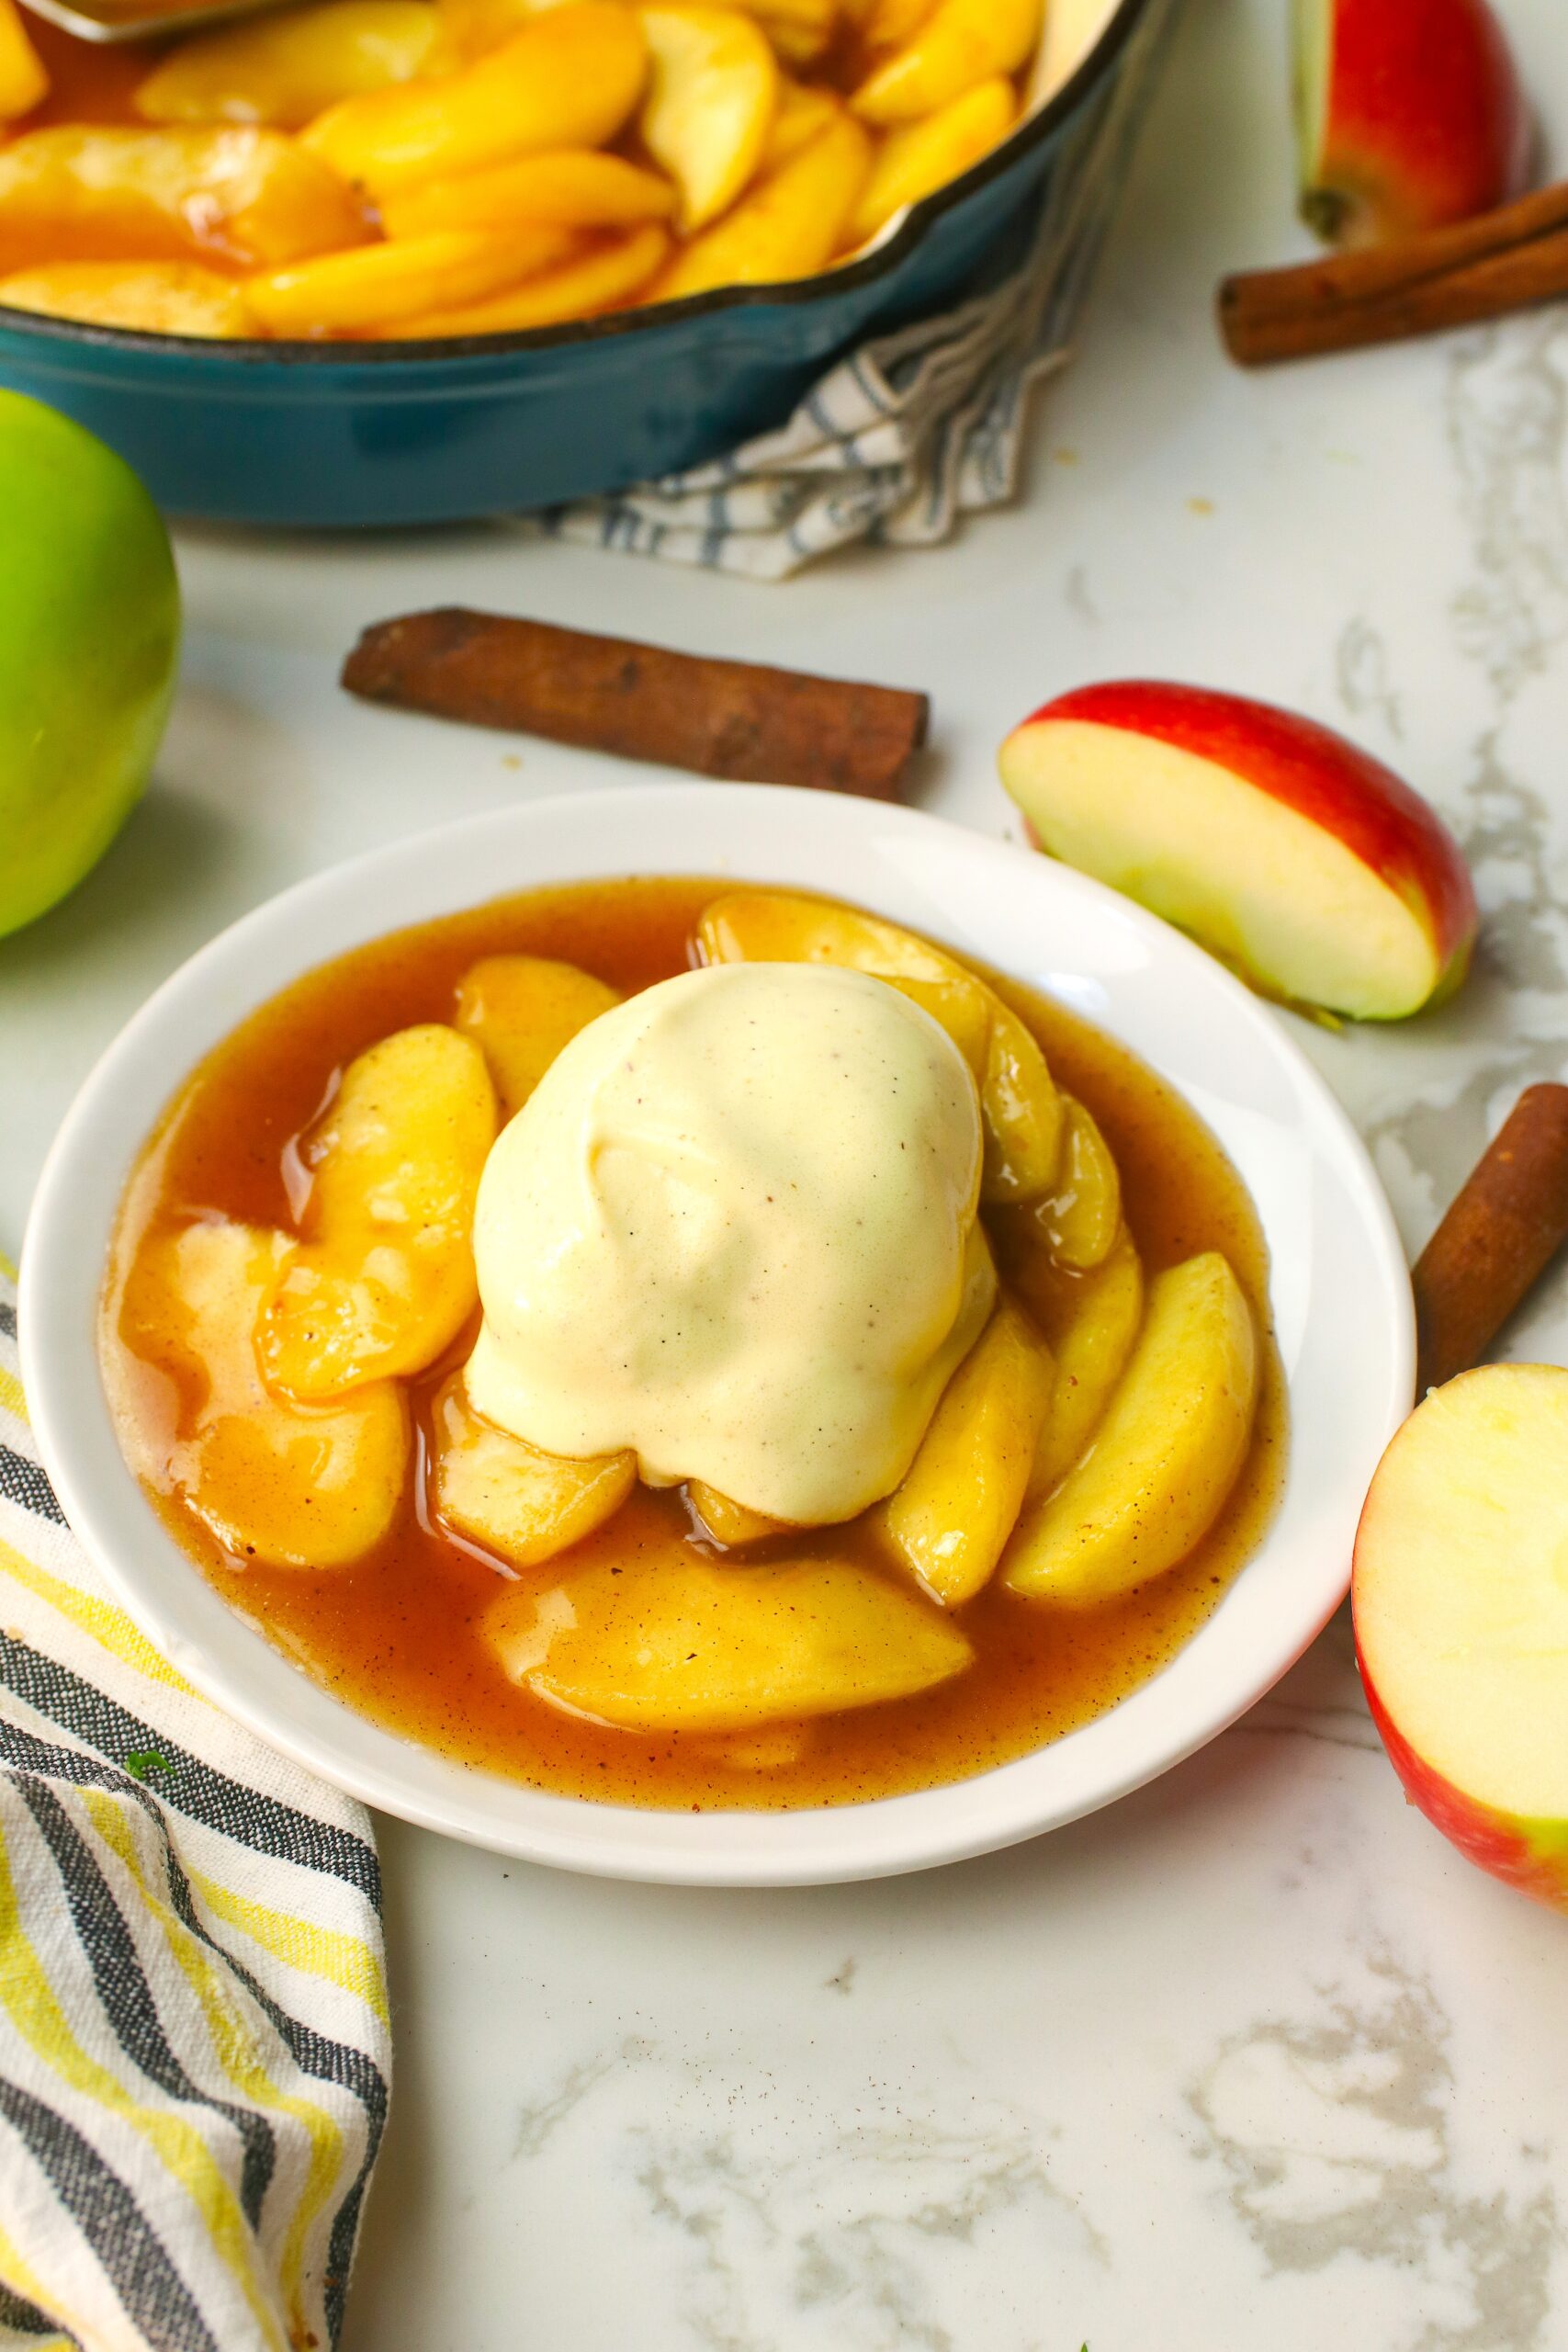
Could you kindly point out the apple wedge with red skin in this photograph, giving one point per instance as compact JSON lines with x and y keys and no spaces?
{"x":1297,"y":857}
{"x":1409,"y":114}
{"x":1461,"y":1604}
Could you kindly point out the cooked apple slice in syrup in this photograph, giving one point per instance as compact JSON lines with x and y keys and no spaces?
{"x":285,"y":70}
{"x":384,"y":1279}
{"x":1166,"y":1454}
{"x":24,"y":80}
{"x":712,"y":95}
{"x":1077,"y":1224}
{"x":803,"y":111}
{"x":959,"y":43}
{"x":1081,"y":1215}
{"x":155,"y":297}
{"x":1020,"y":1107}
{"x":521,"y":1009}
{"x":789,"y":223}
{"x":925,"y":155}
{"x":377,"y":288}
{"x":960,"y":1007}
{"x":569,"y":77}
{"x":1091,"y":1321}
{"x":298,"y":1486}
{"x":960,"y":1498}
{"x":506,"y":1494}
{"x":570,"y":188}
{"x":682,"y":1644}
{"x":730,"y":1522}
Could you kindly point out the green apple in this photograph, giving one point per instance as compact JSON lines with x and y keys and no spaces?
{"x":89,"y":645}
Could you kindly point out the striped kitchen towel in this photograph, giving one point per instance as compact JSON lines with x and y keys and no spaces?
{"x":194,"y":2039}
{"x":917,"y":428}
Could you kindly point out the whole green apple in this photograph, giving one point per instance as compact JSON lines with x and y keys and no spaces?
{"x":89,"y":645}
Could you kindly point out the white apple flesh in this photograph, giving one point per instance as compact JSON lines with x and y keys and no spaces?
{"x":1461,"y":1595}
{"x":1298,"y":858}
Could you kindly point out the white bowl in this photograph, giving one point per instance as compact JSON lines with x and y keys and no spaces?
{"x":1340,"y":1291}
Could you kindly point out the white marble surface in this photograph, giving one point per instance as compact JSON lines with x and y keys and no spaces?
{"x":1249,"y":2059}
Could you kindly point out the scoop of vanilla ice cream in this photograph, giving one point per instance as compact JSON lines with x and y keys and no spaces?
{"x":734,"y":1228}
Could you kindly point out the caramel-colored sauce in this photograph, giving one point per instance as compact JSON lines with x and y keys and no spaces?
{"x":396,"y":1635}
{"x":89,"y":81}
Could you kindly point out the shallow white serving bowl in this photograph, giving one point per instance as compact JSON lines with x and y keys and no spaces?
{"x":1341,"y":1297}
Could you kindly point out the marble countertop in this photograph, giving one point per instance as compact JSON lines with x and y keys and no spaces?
{"x":1250,"y":2057}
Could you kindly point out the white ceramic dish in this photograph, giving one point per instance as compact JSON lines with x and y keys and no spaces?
{"x":1341,"y":1296}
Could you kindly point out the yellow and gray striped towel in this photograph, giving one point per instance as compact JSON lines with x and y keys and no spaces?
{"x":194,"y":2040}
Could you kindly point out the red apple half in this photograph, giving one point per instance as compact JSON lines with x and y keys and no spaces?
{"x":1298,"y":858}
{"x":1460,"y":1593}
{"x":1409,"y":114}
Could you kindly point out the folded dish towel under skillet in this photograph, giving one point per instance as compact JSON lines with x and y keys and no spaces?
{"x":916,"y":428}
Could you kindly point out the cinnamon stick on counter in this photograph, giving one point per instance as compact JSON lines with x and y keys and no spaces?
{"x":1504,"y":260}
{"x":736,"y":719}
{"x":1508,"y":1221}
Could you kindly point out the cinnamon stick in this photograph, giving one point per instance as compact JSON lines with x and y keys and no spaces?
{"x":1509,"y":1220}
{"x":736,"y":719}
{"x":1504,"y":260}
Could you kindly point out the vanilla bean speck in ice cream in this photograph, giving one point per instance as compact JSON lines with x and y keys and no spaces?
{"x":734,"y":1228}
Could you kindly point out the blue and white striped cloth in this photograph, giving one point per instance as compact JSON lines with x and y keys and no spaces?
{"x":915,"y":429}
{"x":195,"y":2048}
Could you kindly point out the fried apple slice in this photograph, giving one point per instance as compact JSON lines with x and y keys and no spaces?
{"x":285,"y":70}
{"x":788,"y":225}
{"x":921,"y":156}
{"x":683,"y":1644}
{"x":962,"y":1495}
{"x":597,"y":278}
{"x":471,"y":29}
{"x":1077,"y":1223}
{"x":712,"y":91}
{"x":797,"y":40}
{"x":814,"y":16}
{"x":159,"y":296}
{"x":569,"y":79}
{"x":962,"y":1007}
{"x":520,"y":1011}
{"x":250,"y":197}
{"x":788,"y":927}
{"x":384,"y":1278}
{"x":1091,"y":1324}
{"x":730,"y":1522}
{"x":888,"y":24}
{"x":296,"y":1486}
{"x":1081,"y":1215}
{"x":24,"y":83}
{"x":960,"y":43}
{"x":574,"y":187}
{"x":378,"y":287}
{"x":506,"y":1494}
{"x":1023,"y":1111}
{"x":1019,"y":1103}
{"x":1166,"y":1454}
{"x":473,"y":26}
{"x":801,"y":114}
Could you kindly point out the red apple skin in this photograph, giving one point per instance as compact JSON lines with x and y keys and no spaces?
{"x":1530,"y":1856}
{"x":1324,"y":778}
{"x":1424,"y":120}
